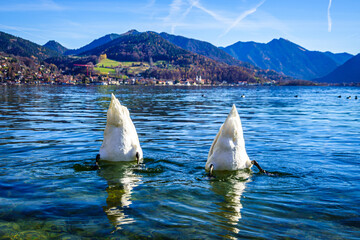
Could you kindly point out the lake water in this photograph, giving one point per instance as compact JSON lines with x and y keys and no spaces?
{"x":50,"y":135}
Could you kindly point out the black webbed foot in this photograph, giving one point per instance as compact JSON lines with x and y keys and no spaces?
{"x":137,"y":155}
{"x":258,"y":166}
{"x":96,"y":166}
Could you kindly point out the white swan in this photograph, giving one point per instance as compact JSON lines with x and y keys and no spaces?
{"x":228,"y":152}
{"x":121,"y":142}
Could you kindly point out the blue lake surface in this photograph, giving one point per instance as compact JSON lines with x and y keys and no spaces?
{"x":50,"y":135}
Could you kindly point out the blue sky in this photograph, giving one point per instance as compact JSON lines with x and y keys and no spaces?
{"x":324,"y":25}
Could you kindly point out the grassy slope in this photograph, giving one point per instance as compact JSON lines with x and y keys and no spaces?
{"x":108,"y":63}
{"x":105,"y":70}
{"x":106,"y":66}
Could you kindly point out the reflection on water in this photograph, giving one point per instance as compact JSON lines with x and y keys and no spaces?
{"x":231,"y":186}
{"x":121,"y":181}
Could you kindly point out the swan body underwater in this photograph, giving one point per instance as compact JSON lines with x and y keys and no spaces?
{"x":228,"y":151}
{"x":121,"y":142}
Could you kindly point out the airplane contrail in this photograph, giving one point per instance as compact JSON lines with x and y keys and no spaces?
{"x":216,"y":16}
{"x":329,"y":17}
{"x":241,"y":17}
{"x":175,"y":7}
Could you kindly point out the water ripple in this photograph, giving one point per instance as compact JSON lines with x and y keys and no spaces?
{"x":50,"y":135}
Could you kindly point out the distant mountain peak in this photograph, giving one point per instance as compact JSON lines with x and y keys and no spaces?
{"x":284,"y":40}
{"x":131,"y":32}
{"x":54,"y":45}
{"x":51,"y":42}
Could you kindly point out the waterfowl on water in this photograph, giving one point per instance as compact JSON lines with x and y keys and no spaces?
{"x":243,"y":95}
{"x":349,"y":97}
{"x":228,"y":151}
{"x":339,"y":96}
{"x":355,"y":97}
{"x":121,"y":142}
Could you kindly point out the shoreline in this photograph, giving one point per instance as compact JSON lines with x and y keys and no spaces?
{"x":185,"y":86}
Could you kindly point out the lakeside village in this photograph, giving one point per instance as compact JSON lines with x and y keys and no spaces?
{"x":15,"y":70}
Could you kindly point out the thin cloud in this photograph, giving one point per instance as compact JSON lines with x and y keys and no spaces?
{"x":150,"y":4}
{"x":43,"y":5}
{"x":26,"y":31}
{"x":241,"y":17}
{"x":329,"y":17}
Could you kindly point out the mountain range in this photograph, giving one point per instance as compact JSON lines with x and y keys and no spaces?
{"x":288,"y":58}
{"x":255,"y":60}
{"x":201,"y":47}
{"x":168,"y":60}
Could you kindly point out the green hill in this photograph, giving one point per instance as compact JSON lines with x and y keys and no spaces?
{"x":20,"y":47}
{"x":140,"y":47}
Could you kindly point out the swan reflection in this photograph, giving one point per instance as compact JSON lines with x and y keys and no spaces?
{"x":121,"y":182}
{"x":231,"y":186}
